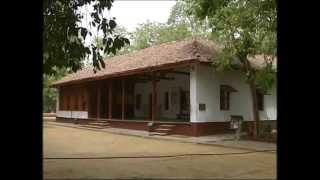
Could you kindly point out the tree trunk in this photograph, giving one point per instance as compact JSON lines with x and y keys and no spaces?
{"x":255,"y":109}
{"x":251,"y":76}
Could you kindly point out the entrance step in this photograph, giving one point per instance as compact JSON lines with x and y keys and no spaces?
{"x":94,"y":126}
{"x":99,"y":123}
{"x":163,"y":129}
{"x":158,"y":133}
{"x":167,"y":125}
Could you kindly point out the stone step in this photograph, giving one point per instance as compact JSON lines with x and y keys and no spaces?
{"x":162,"y":129}
{"x":93,"y":126}
{"x":166,"y":125}
{"x":99,"y":123}
{"x":158,"y":133}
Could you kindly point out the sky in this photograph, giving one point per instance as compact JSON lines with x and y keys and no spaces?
{"x":130,"y":14}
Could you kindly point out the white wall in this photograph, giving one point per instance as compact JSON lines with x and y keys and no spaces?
{"x":193,"y":94}
{"x":57,"y":100}
{"x":270,"y":106}
{"x":207,"y":82}
{"x":204,"y":85}
{"x":180,"y":81}
{"x":73,"y":114}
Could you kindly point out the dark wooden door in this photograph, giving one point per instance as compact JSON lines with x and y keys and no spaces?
{"x":92,"y":105}
{"x":150,"y":105}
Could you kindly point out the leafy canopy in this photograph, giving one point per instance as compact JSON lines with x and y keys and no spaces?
{"x":64,"y":37}
{"x":149,"y":33}
{"x":245,"y":27}
{"x":49,"y":93}
{"x":152,"y":33}
{"x":179,"y":15}
{"x":179,"y":26}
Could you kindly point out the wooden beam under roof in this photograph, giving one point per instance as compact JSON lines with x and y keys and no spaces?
{"x":157,"y":77}
{"x":173,"y":71}
{"x":123,"y":99}
{"x":148,"y":78}
{"x":98,"y":99}
{"x":179,"y":72}
{"x":153,"y":100}
{"x":110,"y":84}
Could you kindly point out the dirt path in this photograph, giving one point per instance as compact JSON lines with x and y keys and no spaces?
{"x":70,"y":142}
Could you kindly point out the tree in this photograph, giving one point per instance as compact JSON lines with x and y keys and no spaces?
{"x":179,"y":15}
{"x":127,"y":48}
{"x":150,"y":33}
{"x":49,"y":93}
{"x":178,"y":27}
{"x":146,"y":35}
{"x":122,"y":31}
{"x":247,"y":28}
{"x":64,"y":37}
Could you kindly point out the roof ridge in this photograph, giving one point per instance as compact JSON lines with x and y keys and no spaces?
{"x":171,"y":52}
{"x":192,"y":39}
{"x":155,"y":46}
{"x":196,"y":47}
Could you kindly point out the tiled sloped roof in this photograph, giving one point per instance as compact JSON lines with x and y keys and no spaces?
{"x":164,"y":54}
{"x":190,"y":50}
{"x":259,"y":61}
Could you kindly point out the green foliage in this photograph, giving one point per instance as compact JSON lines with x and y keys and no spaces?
{"x":174,"y":32}
{"x":63,"y":36}
{"x":146,"y":35}
{"x":50,"y":94}
{"x":266,"y":78}
{"x":246,"y":28}
{"x":149,"y":34}
{"x":224,"y":61}
{"x":179,"y":15}
{"x":180,"y":26}
{"x":123,"y":33}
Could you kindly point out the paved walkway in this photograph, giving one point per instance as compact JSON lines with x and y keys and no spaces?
{"x":224,"y":140}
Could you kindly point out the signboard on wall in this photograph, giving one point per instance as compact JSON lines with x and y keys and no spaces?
{"x":202,"y":107}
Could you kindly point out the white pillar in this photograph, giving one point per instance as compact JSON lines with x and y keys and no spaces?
{"x":57,"y":101}
{"x":193,"y":94}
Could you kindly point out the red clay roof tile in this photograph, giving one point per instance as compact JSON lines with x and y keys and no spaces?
{"x":195,"y":49}
{"x":167,"y":53}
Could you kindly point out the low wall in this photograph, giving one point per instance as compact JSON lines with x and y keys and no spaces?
{"x":265,"y":134}
{"x":129,"y":124}
{"x":48,"y":114}
{"x":73,"y":114}
{"x":180,"y":128}
{"x":265,"y":125}
{"x":73,"y":120}
{"x":210,"y":128}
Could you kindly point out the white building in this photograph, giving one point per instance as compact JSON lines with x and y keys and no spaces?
{"x":172,"y":85}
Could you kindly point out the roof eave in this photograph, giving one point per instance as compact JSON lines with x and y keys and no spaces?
{"x":132,"y":72}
